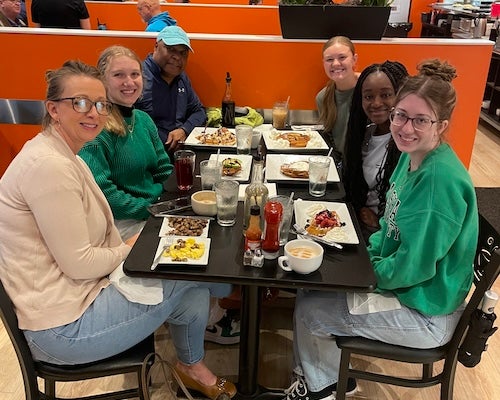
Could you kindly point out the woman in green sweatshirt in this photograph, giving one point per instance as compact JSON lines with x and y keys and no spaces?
{"x":127,"y":159}
{"x":422,"y":255}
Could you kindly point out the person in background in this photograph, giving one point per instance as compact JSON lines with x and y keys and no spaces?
{"x":168,"y":96}
{"x":370,"y":152}
{"x":151,"y":14}
{"x":127,"y":158}
{"x":22,"y":15}
{"x":422,"y":255}
{"x":334,"y":100}
{"x":59,"y":245}
{"x":10,"y":13}
{"x":69,"y":14}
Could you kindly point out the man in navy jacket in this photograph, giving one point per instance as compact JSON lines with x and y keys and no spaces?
{"x":168,"y":96}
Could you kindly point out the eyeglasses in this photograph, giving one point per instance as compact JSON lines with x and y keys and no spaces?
{"x":183,"y":53}
{"x":84,"y":105}
{"x":399,"y":118}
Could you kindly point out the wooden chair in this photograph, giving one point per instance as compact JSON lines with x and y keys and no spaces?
{"x":126,"y":362}
{"x":486,"y":270}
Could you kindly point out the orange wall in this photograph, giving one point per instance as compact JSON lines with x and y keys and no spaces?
{"x":202,"y":16}
{"x":263,"y":70}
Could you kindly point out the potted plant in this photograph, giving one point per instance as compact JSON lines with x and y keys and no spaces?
{"x":322,"y":19}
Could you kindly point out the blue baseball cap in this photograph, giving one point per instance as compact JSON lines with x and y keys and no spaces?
{"x":172,"y":35}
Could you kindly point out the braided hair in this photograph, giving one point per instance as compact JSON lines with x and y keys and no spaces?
{"x":354,"y":181}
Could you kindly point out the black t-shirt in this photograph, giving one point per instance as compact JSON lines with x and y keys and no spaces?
{"x":58,"y":13}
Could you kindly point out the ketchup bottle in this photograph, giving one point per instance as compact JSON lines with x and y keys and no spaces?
{"x":273,"y":213}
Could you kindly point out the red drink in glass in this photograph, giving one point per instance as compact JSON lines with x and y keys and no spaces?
{"x":184,"y":168}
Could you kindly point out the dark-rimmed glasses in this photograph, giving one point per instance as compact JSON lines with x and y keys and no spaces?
{"x":422,"y":124}
{"x":84,"y":105}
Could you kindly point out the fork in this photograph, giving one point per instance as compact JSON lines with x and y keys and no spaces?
{"x":303,"y":232}
{"x":168,"y":242}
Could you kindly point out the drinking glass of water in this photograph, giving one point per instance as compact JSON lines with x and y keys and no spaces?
{"x":318,"y":175}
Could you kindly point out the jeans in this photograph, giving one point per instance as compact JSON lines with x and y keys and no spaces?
{"x":320,"y":316}
{"x":113,"y":324}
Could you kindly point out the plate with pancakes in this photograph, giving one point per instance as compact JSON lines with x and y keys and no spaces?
{"x":294,"y":167}
{"x":293,"y":141}
{"x":327,"y":220}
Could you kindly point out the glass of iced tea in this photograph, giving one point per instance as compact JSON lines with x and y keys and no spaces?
{"x":184,"y":168}
{"x":280,"y":114}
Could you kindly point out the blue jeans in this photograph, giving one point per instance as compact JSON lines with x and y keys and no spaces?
{"x":320,"y":316}
{"x":113,"y":324}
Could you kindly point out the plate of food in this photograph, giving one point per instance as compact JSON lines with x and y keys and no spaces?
{"x":186,"y":250}
{"x":294,"y":167}
{"x":328,"y":220}
{"x":211,"y":137}
{"x":235,"y":167}
{"x":184,"y":226}
{"x":294,"y":141}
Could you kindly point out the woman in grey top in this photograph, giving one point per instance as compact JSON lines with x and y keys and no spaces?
{"x":334,"y":100}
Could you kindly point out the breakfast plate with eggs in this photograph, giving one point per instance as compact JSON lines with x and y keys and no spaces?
{"x":183,"y":250}
{"x":293,"y":167}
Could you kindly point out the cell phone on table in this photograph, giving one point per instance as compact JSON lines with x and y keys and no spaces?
{"x":170,"y":206}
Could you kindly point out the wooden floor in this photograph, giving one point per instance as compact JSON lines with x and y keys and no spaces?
{"x":480,"y":383}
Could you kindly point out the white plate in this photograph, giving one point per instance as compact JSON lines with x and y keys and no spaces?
{"x":307,"y":127}
{"x":306,"y":210}
{"x":275,"y":161}
{"x":315,"y":143}
{"x":246,"y":166}
{"x":200,"y":261}
{"x":191,"y":140}
{"x":166,"y":229}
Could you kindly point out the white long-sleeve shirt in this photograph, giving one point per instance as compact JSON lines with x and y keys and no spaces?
{"x":58,"y":241}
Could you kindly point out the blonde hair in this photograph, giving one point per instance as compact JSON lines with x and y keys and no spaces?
{"x":56,"y":80}
{"x":115,"y":124}
{"x":328,"y":110}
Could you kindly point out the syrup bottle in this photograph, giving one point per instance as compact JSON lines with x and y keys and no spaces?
{"x":273,"y":213}
{"x":228,"y":105}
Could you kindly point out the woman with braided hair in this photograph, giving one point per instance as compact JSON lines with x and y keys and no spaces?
{"x":370,"y":153}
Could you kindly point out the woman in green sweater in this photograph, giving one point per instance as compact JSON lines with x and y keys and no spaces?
{"x":127,"y":159}
{"x":422,"y":255}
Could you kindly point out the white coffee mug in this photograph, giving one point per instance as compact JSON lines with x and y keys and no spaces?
{"x":302,"y":256}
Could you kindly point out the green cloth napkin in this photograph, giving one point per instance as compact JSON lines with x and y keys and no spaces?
{"x":253,"y":118}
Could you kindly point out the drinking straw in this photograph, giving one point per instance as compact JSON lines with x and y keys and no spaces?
{"x":329,"y":152}
{"x":287,"y":101}
{"x":290,"y":199}
{"x":217,"y":157}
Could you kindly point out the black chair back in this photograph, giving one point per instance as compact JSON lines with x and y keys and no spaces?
{"x":20,"y":344}
{"x":486,"y":270}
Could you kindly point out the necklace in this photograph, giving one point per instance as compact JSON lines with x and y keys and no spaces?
{"x":131,"y":126}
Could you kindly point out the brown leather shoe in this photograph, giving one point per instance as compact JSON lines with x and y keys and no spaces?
{"x":212,"y":392}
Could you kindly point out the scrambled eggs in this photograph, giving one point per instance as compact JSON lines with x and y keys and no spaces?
{"x":182,"y":250}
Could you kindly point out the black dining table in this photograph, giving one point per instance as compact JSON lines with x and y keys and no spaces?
{"x":348,"y":269}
